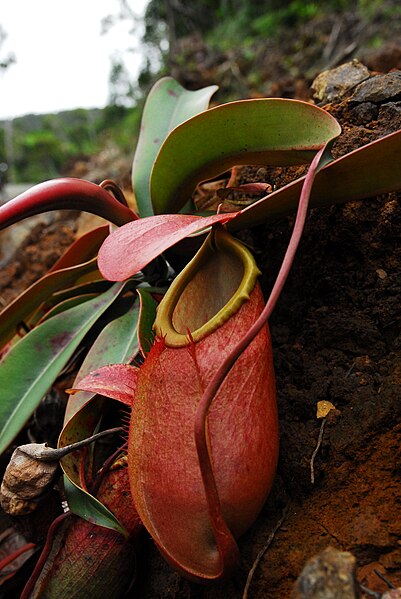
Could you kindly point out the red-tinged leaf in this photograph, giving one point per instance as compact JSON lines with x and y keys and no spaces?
{"x":80,"y":501}
{"x":366,"y":172}
{"x":27,"y":302}
{"x":82,"y":249}
{"x":14,"y":552}
{"x":117,"y":343}
{"x":65,"y":194}
{"x":81,"y":559}
{"x":117,"y":381}
{"x":129,"y":249}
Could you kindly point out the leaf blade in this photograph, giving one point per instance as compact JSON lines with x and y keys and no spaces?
{"x":130,"y":248}
{"x":167,"y":106}
{"x":46,"y":350}
{"x":368,"y":171}
{"x":27,"y":302}
{"x":147,"y":316}
{"x":117,"y":343}
{"x":117,"y":381}
{"x":263,"y":131}
{"x":89,"y":508}
{"x":81,"y":502}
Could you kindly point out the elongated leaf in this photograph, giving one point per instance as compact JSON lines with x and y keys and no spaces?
{"x":130,"y":248}
{"x":81,"y":502}
{"x":82,"y":249}
{"x":147,"y":317}
{"x":91,"y":287}
{"x":89,"y":508}
{"x":264,"y":131}
{"x":363,"y":173}
{"x":31,"y":366}
{"x":117,"y":381}
{"x":65,"y":194}
{"x":116,"y":344}
{"x":66,"y":305}
{"x":28,"y":301}
{"x":167,"y":105}
{"x":58,"y":302}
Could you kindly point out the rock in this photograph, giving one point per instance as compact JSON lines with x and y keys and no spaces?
{"x":391,"y":112}
{"x":328,"y":575}
{"x":393,"y":594}
{"x":334,"y":84}
{"x":378,"y":88}
{"x":365,"y":112}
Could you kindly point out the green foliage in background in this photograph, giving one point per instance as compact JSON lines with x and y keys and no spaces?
{"x":40,"y":147}
{"x":44,"y":146}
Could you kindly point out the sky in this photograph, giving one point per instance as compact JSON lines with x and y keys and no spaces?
{"x":63,"y":61}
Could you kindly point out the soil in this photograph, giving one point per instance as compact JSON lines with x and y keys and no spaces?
{"x":337,"y":337}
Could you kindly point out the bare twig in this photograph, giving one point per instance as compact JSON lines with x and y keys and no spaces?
{"x":384,"y":578}
{"x":349,"y":371}
{"x":263,"y":551}
{"x":373,"y":594}
{"x":314,"y":454}
{"x":48,"y":454}
{"x":332,"y":42}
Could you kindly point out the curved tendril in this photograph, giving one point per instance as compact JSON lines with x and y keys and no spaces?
{"x":225,"y":541}
{"x":112,"y":187}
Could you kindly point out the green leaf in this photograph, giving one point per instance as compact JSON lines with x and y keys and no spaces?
{"x":66,"y":305}
{"x":147,"y":317}
{"x":89,"y":508}
{"x":92,"y":287}
{"x":264,"y":131}
{"x":167,"y":106}
{"x":82,"y":503}
{"x":116,"y":344}
{"x":32,"y":365}
{"x":366,"y":172}
{"x":28,"y":301}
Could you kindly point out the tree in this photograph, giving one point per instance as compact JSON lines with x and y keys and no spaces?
{"x":9,"y":58}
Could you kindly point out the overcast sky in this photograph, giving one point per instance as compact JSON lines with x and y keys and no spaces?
{"x":62,"y":60}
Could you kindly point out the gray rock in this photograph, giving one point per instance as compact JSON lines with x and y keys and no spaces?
{"x":391,"y":111}
{"x":328,"y":575}
{"x":336,"y":83}
{"x":365,"y":112}
{"x":378,"y":88}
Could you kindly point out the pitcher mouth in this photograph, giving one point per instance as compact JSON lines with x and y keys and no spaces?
{"x":210,"y":289}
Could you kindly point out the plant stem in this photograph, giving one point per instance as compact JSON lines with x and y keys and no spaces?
{"x":225,"y":542}
{"x":49,"y":454}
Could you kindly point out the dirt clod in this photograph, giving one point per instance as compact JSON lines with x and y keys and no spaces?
{"x":329,"y":575}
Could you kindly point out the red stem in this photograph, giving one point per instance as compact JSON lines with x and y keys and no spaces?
{"x":65,"y":194}
{"x":225,"y":542}
{"x":113,"y":188}
{"x":51,"y":533}
{"x":10,"y":558}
